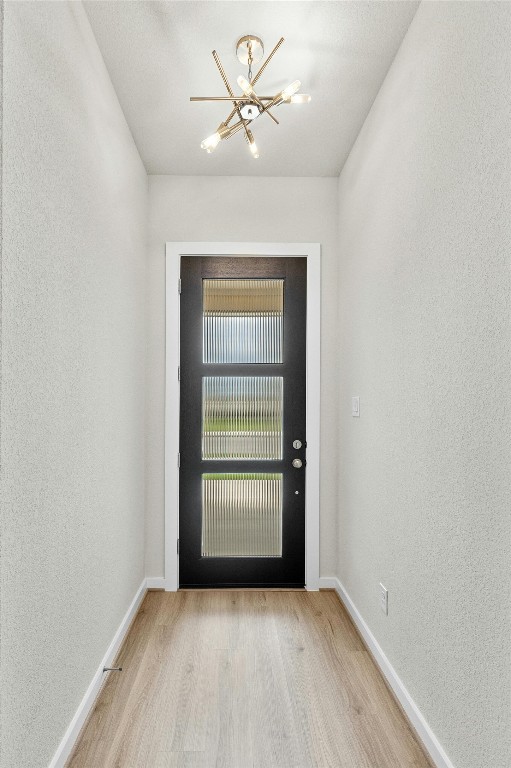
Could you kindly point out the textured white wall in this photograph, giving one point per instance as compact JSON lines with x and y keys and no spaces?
{"x":73,"y":375}
{"x":239,"y":209}
{"x":425,"y":243}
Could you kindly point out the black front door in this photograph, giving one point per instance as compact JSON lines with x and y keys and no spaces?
{"x":242,"y":422}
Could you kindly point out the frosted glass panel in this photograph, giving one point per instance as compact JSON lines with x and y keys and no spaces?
{"x":242,"y":417}
{"x":242,"y":515}
{"x":242,"y":321}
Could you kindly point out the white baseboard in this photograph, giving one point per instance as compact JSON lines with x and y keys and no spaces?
{"x":414,"y":715}
{"x":155,"y":582}
{"x":329,"y":582}
{"x":66,"y":745}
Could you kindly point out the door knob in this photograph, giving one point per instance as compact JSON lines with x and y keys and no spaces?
{"x":297,"y":463}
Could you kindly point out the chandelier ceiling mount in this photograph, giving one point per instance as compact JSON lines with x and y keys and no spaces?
{"x":250,"y":49}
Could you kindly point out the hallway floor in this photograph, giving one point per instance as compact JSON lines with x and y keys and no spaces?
{"x":245,"y":679}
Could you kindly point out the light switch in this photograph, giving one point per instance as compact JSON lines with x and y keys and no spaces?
{"x":355,"y":406}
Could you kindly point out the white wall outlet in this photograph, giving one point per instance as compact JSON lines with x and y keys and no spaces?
{"x":384,"y":599}
{"x":355,"y":406}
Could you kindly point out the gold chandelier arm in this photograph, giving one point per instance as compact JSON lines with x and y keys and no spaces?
{"x":230,"y":92}
{"x":265,"y":64}
{"x":267,"y":112}
{"x":246,"y":99}
{"x":244,"y":127}
{"x":261,"y":70}
{"x":230,"y":116}
{"x":235,"y":128}
{"x":223,"y":75}
{"x":272,"y":103}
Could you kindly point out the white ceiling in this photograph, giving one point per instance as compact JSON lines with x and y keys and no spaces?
{"x":158,"y":54}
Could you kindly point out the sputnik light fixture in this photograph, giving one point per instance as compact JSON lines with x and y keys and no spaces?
{"x":249,"y":106}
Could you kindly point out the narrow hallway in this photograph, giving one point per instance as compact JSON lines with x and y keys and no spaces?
{"x":373,"y":454}
{"x":245,"y":679}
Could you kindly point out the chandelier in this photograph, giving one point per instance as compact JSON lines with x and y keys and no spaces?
{"x":249,"y":106}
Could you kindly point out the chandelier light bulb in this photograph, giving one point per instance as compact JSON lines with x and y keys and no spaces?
{"x":298,"y":98}
{"x":252,"y":145}
{"x":290,"y":90}
{"x":211,"y":142}
{"x":245,"y":85}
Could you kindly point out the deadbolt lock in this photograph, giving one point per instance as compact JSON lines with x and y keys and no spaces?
{"x":297,"y":444}
{"x":297,"y":463}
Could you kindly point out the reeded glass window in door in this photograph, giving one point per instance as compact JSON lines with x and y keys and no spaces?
{"x":242,"y":321}
{"x":242,"y":417}
{"x":242,"y":515}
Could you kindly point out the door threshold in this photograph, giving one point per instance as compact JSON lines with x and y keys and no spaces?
{"x":219,"y":588}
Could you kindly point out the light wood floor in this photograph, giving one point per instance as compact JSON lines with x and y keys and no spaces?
{"x":234,"y":679}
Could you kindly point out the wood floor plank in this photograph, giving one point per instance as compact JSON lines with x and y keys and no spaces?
{"x":245,"y":679}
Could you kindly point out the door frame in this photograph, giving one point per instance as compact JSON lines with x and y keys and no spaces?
{"x":173,"y":253}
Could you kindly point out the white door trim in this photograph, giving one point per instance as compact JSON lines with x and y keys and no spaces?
{"x":174,"y":251}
